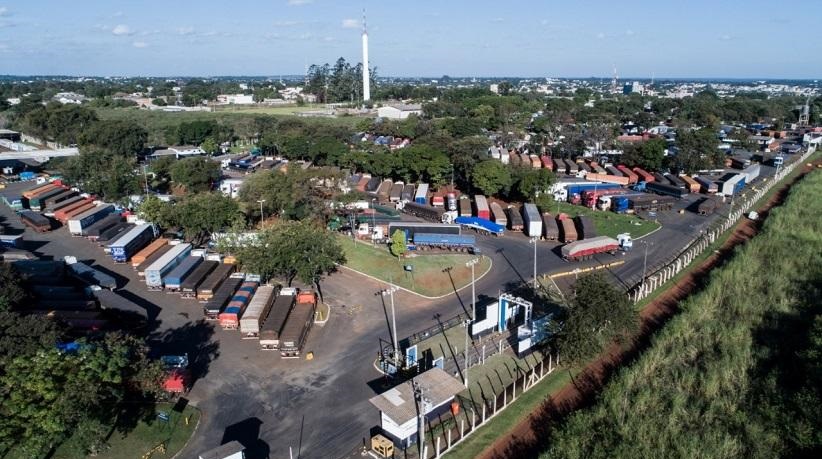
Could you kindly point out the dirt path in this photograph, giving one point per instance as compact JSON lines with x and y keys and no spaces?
{"x":526,"y":439}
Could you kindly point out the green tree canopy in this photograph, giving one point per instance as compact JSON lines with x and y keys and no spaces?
{"x":398,"y":243}
{"x":648,"y":155}
{"x":12,"y":292}
{"x":533,"y":182}
{"x":491,"y":177}
{"x":101,"y":172}
{"x":202,"y":214}
{"x":121,"y":137}
{"x":196,"y":173}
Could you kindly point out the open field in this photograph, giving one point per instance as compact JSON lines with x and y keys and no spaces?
{"x":608,"y":223}
{"x":270,"y":110}
{"x":427,"y":278}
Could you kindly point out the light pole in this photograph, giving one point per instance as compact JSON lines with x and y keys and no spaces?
{"x":373,"y":221}
{"x":471,"y":264}
{"x":390,"y":292}
{"x":262,"y":215}
{"x":467,"y":324}
{"x":534,"y":241}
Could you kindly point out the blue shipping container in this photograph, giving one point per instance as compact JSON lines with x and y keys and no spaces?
{"x":175,"y":278}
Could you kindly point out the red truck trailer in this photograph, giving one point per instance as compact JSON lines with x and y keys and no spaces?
{"x":585,"y":249}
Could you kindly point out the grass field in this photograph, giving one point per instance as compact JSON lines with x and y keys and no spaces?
{"x":607,"y":223}
{"x":278,"y":110}
{"x":428,"y":277}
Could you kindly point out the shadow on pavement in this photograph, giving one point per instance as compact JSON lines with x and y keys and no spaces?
{"x":196,"y":339}
{"x":247,"y":432}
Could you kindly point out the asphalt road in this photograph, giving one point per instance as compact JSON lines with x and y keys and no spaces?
{"x":320,"y":408}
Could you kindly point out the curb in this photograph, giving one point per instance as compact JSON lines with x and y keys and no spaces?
{"x":648,"y":234}
{"x":420,"y":294}
{"x":196,"y":426}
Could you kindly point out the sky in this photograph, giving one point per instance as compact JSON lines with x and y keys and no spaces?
{"x":537,"y":38}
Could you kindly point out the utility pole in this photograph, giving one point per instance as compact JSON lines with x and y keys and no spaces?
{"x":471,"y":264}
{"x":373,"y":222}
{"x":390,"y":292}
{"x":422,"y":400}
{"x":262,"y":215}
{"x":534,"y":241}
{"x":467,"y":324}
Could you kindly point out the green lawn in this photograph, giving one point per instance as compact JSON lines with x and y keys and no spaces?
{"x":607,"y":223}
{"x":428,"y":277}
{"x":272,"y":110}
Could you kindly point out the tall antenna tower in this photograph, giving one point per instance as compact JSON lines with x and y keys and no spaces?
{"x":805,"y":113}
{"x":615,"y":81}
{"x":366,"y":73}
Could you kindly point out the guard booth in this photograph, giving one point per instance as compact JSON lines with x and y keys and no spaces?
{"x":230,"y":450}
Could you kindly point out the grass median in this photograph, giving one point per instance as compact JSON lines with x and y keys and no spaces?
{"x":428,"y":275}
{"x":607,"y":223}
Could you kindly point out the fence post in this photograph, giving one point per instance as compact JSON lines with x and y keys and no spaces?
{"x":483,"y":413}
{"x":438,"y":446}
{"x":462,"y":429}
{"x":514,"y":389}
{"x":474,"y":417}
{"x":504,"y":397}
{"x":449,"y":438}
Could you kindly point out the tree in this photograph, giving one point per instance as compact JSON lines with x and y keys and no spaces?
{"x":533,"y":182}
{"x":12,"y":292}
{"x":491,"y":177}
{"x":202,"y":214}
{"x":398,"y":244}
{"x":103,"y":173}
{"x":120,"y":137}
{"x":598,"y":315}
{"x":648,"y":155}
{"x":210,"y":146}
{"x":160,"y":102}
{"x":697,"y":150}
{"x":195,"y":173}
{"x":161,"y":169}
{"x":292,"y":250}
{"x":288,"y":194}
{"x":157,"y":211}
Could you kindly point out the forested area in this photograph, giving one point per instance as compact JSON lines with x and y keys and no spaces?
{"x":737,"y":373}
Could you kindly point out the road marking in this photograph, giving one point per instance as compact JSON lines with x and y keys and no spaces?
{"x":585,"y":270}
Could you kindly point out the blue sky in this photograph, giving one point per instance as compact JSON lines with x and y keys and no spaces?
{"x":696,"y":38}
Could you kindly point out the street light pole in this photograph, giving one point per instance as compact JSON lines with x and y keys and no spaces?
{"x":373,"y":221}
{"x":467,"y":324}
{"x":390,"y":292}
{"x":534,"y":241}
{"x":262,"y":215}
{"x":471,"y":264}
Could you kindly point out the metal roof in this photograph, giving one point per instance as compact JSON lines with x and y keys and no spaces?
{"x":398,"y":403}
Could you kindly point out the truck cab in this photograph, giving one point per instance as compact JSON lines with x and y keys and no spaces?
{"x":625,"y":242}
{"x":778,"y":161}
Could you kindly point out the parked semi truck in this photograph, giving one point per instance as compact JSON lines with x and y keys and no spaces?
{"x":532,"y":220}
{"x":89,"y":275}
{"x":94,"y":231}
{"x":257,"y":310}
{"x":78,"y":224}
{"x":569,"y":231}
{"x":498,"y":214}
{"x":38,"y":201}
{"x":212,"y":283}
{"x":550,"y":230}
{"x":663,"y":188}
{"x":188,"y":289}
{"x":707,"y":185}
{"x":455,"y":242}
{"x":229,"y":318}
{"x":515,"y":222}
{"x":131,"y":242}
{"x":141,"y":256}
{"x":222,"y":295}
{"x":154,"y":273}
{"x":296,"y":329}
{"x":421,"y":196}
{"x":274,"y":323}
{"x":481,"y":204}
{"x":425,"y":211}
{"x":586,"y":249}
{"x":173,"y":281}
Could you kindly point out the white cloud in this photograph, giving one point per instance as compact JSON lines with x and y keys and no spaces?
{"x":140,"y":44}
{"x":188,"y":30}
{"x":286,"y":23}
{"x":328,"y":39}
{"x":629,"y":32}
{"x":600,"y":35}
{"x":117,"y":14}
{"x":725,"y":37}
{"x":121,"y":29}
{"x":498,"y":20}
{"x":4,"y":11}
{"x":350,"y":24}
{"x":544,"y":22}
{"x":299,"y":2}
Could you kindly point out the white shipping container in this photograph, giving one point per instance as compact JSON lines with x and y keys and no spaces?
{"x":532,"y":219}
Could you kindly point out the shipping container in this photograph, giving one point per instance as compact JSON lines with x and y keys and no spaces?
{"x":731,"y":184}
{"x":64,"y":213}
{"x":35,"y":221}
{"x":532,"y":220}
{"x":663,"y":188}
{"x":363,"y":182}
{"x":156,"y":255}
{"x":407,"y":193}
{"x":659,"y":178}
{"x":94,"y":231}
{"x":707,"y":184}
{"x":421,"y":197}
{"x":498,"y":214}
{"x":547,"y":162}
{"x":211,"y":283}
{"x":740,"y":163}
{"x":584,"y":167}
{"x":515,"y":222}
{"x":568,"y":230}
{"x":173,"y":281}
{"x":89,"y":275}
{"x":572,"y":167}
{"x":693,"y":185}
{"x":295,"y":331}
{"x":78,"y":224}
{"x":126,"y":246}
{"x":221,"y":296}
{"x":154,"y":273}
{"x":586,"y":249}
{"x":273,"y":325}
{"x":585,"y":227}
{"x":550,"y":230}
{"x":751,"y":173}
{"x":465,"y":207}
{"x":481,"y":205}
{"x":229,"y":318}
{"x":38,"y":201}
{"x":188,"y":288}
{"x":57,"y":292}
{"x":424,"y":211}
{"x":524,"y":160}
{"x":632,"y":176}
{"x":257,"y":310}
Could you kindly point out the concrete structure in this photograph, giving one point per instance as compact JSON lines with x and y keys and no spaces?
{"x":39,"y":155}
{"x":398,"y":408}
{"x":180,"y":151}
{"x":236,"y":99}
{"x":366,"y":72}
{"x":399,"y":111}
{"x":231,"y":187}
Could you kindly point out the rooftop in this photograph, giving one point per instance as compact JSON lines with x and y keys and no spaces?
{"x":398,"y":403}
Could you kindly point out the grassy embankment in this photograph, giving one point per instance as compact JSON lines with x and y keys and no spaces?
{"x":428,"y":277}
{"x":718,"y":380}
{"x":607,"y":223}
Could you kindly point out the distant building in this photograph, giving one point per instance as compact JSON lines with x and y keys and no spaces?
{"x":632,"y":88}
{"x":69,"y":98}
{"x":180,"y":151}
{"x":231,"y":187}
{"x":494,"y":87}
{"x":236,"y":99}
{"x":399,"y":111}
{"x":7,"y":134}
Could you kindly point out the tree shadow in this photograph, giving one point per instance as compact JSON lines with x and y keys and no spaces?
{"x":247,"y":433}
{"x":511,"y":265}
{"x":196,"y":339}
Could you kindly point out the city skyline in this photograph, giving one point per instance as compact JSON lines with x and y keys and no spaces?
{"x":426,"y":39}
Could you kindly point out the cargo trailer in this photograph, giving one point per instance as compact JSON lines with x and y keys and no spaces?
{"x":35,"y":221}
{"x":156,"y":255}
{"x":64,"y":204}
{"x":707,"y":206}
{"x":677,"y":182}
{"x":498,"y":214}
{"x":572,"y":167}
{"x":481,"y":205}
{"x":731,"y":184}
{"x":424,"y":211}
{"x":229,"y":318}
{"x":96,"y":229}
{"x":586,"y":249}
{"x":585,"y":227}
{"x":607,"y":178}
{"x":141,"y":256}
{"x":38,"y":201}
{"x":273,"y":325}
{"x":532,"y":220}
{"x":363,"y":183}
{"x":632,"y":176}
{"x":113,"y":233}
{"x":222,"y":295}
{"x":295,"y":331}
{"x":64,"y":213}
{"x":550,"y":230}
{"x":154,"y":273}
{"x":51,"y":202}
{"x":407,"y":193}
{"x":535,"y":162}
{"x":584,"y":167}
{"x":421,"y":196}
{"x":257,"y":310}
{"x":188,"y":289}
{"x":28,"y":194}
{"x":395,"y":194}
{"x":524,"y":160}
{"x":384,"y":190}
{"x":372,"y":185}
{"x":89,"y":275}
{"x":707,"y":185}
{"x":13,"y":200}
{"x":740,"y":163}
{"x":659,"y":178}
{"x":547,"y":162}
{"x":568,"y":230}
{"x":57,"y":292}
{"x":209,"y":286}
{"x":173,"y":281}
{"x":558,"y":165}
{"x":457,"y":242}
{"x":113,"y":301}
{"x":693,"y":185}
{"x":612,"y":170}
{"x":515,"y":222}
{"x":11,"y":241}
{"x":751,"y":173}
{"x":137,"y":238}
{"x":644,"y":176}
{"x":412,"y":228}
{"x":78,"y":224}
{"x":465,"y":208}
{"x":652,"y":203}
{"x":662,"y":188}
{"x":597,"y":169}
